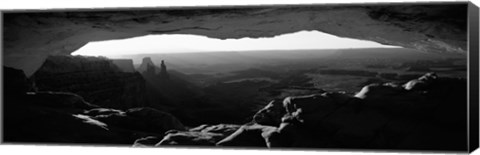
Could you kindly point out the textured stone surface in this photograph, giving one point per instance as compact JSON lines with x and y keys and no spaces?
{"x":143,"y":119}
{"x":30,"y":37}
{"x":203,"y":135}
{"x":425,"y":113}
{"x":98,"y":80}
{"x":126,"y":65}
{"x":66,"y":118}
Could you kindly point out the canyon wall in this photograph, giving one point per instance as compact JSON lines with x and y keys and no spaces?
{"x":98,"y":80}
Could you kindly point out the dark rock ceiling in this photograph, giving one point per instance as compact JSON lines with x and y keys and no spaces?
{"x":29,"y":37}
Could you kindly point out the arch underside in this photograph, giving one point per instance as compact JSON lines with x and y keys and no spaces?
{"x":30,"y":37}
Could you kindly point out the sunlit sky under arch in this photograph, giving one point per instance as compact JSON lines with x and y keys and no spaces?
{"x":181,"y":43}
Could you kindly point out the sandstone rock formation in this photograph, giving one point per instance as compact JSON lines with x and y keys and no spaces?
{"x":428,"y":115}
{"x":203,"y":135}
{"x":98,"y":80}
{"x":46,"y":117}
{"x":148,"y":66}
{"x":66,"y":118}
{"x":39,"y":123}
{"x":149,"y":141}
{"x":189,"y":138}
{"x":17,"y":83}
{"x":30,"y":37}
{"x":248,"y":135}
{"x":163,"y":71}
{"x":431,"y":116}
{"x":141,"y":119}
{"x":125,"y":65}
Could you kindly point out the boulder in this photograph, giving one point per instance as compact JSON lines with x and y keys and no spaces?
{"x":421,"y":83}
{"x":191,"y":138}
{"x":103,"y":111}
{"x":219,"y":128}
{"x":271,"y":114}
{"x":205,"y":135}
{"x":310,"y":107}
{"x":149,"y":141}
{"x":143,"y":119}
{"x":250,"y":135}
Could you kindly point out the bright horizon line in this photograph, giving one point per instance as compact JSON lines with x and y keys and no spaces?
{"x":187,"y":43}
{"x":263,"y":50}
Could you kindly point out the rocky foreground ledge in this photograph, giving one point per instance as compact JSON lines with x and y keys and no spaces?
{"x":427,"y":113}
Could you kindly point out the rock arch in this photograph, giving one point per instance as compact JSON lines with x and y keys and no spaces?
{"x":29,"y":37}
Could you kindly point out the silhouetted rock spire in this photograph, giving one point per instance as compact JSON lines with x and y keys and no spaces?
{"x":146,"y":62}
{"x":150,"y":70}
{"x":163,"y":71}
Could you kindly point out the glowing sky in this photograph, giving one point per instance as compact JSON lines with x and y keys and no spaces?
{"x":179,"y":43}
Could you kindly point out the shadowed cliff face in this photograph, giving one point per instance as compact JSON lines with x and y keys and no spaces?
{"x":30,"y":37}
{"x":98,"y":80}
{"x":66,"y":118}
{"x":125,"y":65}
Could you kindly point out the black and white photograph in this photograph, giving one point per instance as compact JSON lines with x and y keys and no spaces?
{"x":393,"y":77}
